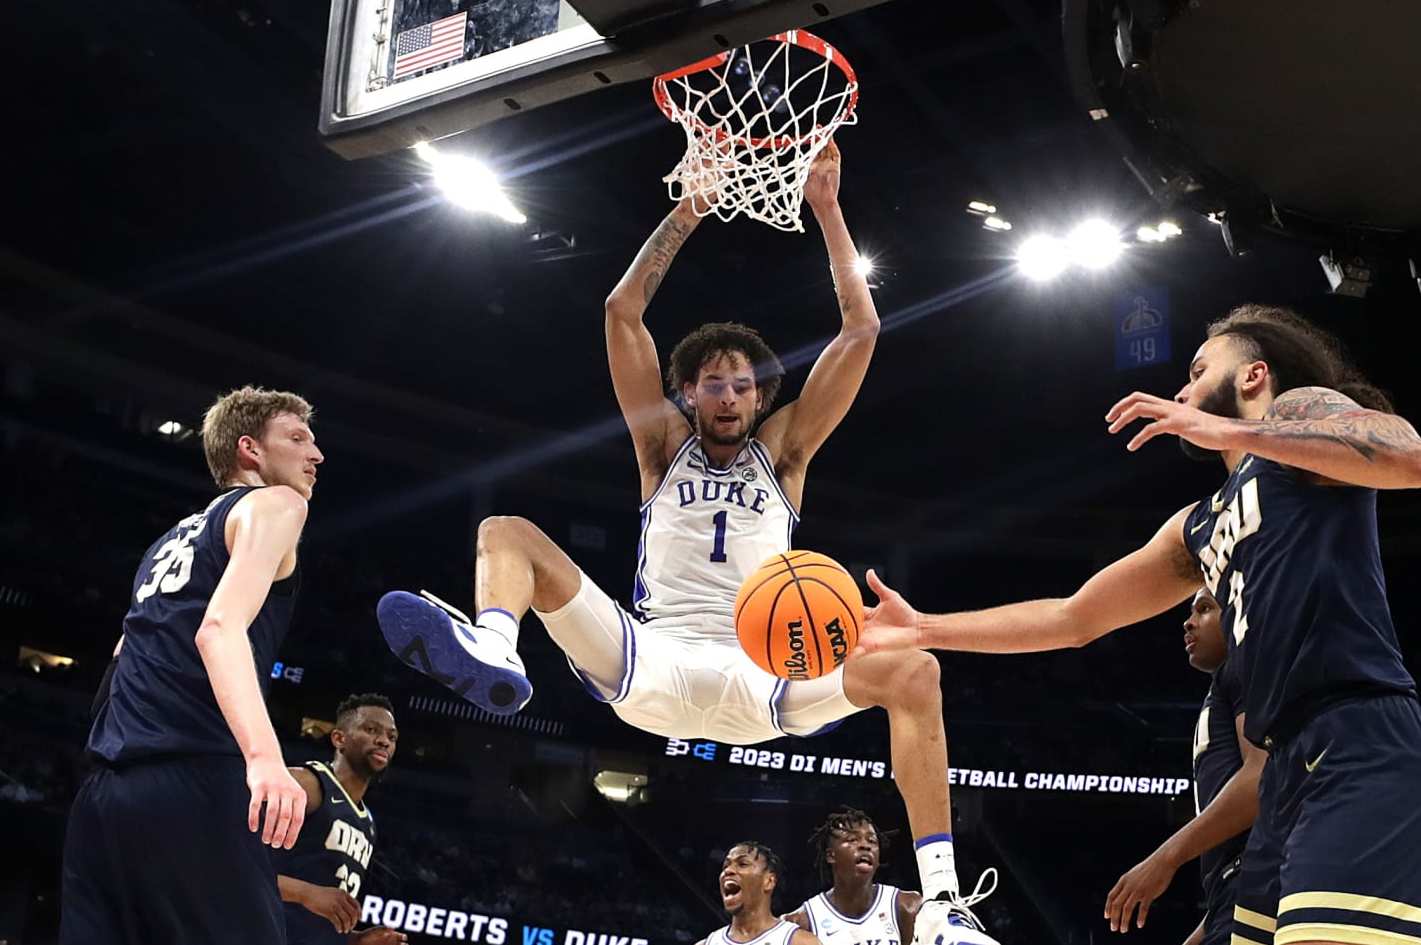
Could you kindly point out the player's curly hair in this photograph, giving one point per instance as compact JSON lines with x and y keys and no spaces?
{"x":773,"y":863}
{"x":1298,"y":353}
{"x":350,"y":703}
{"x":841,"y":821}
{"x":714,"y":339}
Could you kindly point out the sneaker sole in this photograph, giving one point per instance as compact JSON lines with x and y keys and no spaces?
{"x":419,"y":635}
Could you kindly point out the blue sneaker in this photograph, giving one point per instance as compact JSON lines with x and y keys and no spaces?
{"x":442,"y":643}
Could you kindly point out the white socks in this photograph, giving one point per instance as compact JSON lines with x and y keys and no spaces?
{"x":936,"y":866}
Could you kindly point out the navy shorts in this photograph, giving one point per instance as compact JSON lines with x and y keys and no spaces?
{"x":1220,"y":897}
{"x":1335,"y":855}
{"x":159,"y":852}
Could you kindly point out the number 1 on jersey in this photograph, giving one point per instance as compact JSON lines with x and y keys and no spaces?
{"x":718,"y":549}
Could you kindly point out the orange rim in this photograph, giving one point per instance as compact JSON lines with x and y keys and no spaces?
{"x":801,"y":38}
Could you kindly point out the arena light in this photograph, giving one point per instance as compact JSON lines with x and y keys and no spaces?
{"x":1168,"y":229}
{"x":468,"y":184}
{"x":996,"y":223}
{"x":170,"y":428}
{"x":1094,"y":244}
{"x":1042,"y":258}
{"x":863,"y":266}
{"x":1149,"y":234}
{"x":621,"y":787}
{"x":980,"y":207}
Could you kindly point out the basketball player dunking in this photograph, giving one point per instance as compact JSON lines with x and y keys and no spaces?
{"x":162,"y":842}
{"x":1289,"y":545}
{"x":1227,"y":768}
{"x":320,"y":878}
{"x":721,"y":483}
{"x":748,"y":878}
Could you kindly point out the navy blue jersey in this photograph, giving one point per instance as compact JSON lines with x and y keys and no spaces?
{"x":160,"y":700}
{"x":333,"y":849}
{"x":1297,"y":569}
{"x":1216,"y":758}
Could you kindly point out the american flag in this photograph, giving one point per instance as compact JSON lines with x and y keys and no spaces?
{"x":432,"y":44}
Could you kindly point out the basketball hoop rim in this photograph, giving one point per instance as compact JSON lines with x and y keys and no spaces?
{"x":801,"y":38}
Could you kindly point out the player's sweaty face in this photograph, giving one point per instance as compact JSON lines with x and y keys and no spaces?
{"x":856,"y":849}
{"x":742,"y":879}
{"x":1203,"y":634}
{"x":289,"y":456}
{"x":725,"y":399}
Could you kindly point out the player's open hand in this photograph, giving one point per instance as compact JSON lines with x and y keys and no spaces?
{"x":379,"y":936}
{"x":891,"y":625}
{"x":822,"y":188}
{"x":1141,"y":886}
{"x":285,"y":800}
{"x":1205,"y":430}
{"x":334,"y":904}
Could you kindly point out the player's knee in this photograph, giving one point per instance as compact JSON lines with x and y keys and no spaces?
{"x":503,"y":530}
{"x":918,"y":679}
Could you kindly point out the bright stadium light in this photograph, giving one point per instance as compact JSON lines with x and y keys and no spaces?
{"x":863,"y":266}
{"x":1149,"y":234}
{"x":1094,"y":244}
{"x":980,"y":207}
{"x":1042,"y":258}
{"x":997,"y":224}
{"x":469,"y":184}
{"x":1168,"y":229}
{"x":170,"y":428}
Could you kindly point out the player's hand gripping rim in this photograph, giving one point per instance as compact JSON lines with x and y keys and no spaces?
{"x":273,"y":787}
{"x":890,"y":625}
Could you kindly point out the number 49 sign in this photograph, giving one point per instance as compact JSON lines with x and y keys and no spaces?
{"x":1141,"y":328}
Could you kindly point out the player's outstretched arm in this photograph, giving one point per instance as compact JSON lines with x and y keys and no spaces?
{"x":1315,"y":429}
{"x":631,"y":352}
{"x":795,"y":432}
{"x":1144,"y":583}
{"x":265,"y":526}
{"x":1230,"y":813}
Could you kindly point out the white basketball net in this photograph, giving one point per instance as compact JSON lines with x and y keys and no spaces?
{"x":755,"y":118}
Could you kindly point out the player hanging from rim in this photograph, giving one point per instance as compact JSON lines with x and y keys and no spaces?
{"x":748,"y":878}
{"x":1226,"y":772}
{"x":721,"y":481}
{"x":854,"y":910}
{"x":1290,"y":541}
{"x":321,"y":877}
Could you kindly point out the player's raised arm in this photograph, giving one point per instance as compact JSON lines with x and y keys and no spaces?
{"x":265,"y":526}
{"x":1144,"y":583}
{"x":1316,"y":429}
{"x":796,"y":432}
{"x":631,"y":352}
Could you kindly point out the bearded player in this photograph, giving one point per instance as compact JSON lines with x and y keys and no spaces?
{"x":1289,"y":545}
{"x":722,"y":476}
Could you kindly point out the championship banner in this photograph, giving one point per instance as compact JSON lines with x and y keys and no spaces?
{"x":868,"y":769}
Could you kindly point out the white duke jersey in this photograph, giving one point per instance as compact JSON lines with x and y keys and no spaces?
{"x":877,"y":926}
{"x":703,"y":532}
{"x":778,"y":934}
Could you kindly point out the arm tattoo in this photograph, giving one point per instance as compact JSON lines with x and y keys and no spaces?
{"x":658,"y":252}
{"x":1317,"y":413}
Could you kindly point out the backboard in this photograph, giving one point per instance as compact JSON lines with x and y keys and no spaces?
{"x":403,"y":71}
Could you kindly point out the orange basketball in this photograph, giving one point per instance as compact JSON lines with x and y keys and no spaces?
{"x":798,"y":615}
